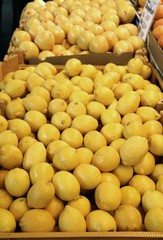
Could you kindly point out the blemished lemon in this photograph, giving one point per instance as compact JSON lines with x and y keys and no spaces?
{"x":94,"y":140}
{"x":123,"y":173}
{"x":117,"y":143}
{"x":147,"y":113}
{"x":151,"y":199}
{"x":153,"y":220}
{"x":35,"y":153}
{"x":81,"y":203}
{"x":159,"y":184}
{"x":20,"y":127}
{"x":39,"y":117}
{"x":129,"y":117}
{"x":142,"y":183}
{"x":128,"y":210}
{"x":41,"y":172}
{"x":110,"y":115}
{"x":18,"y":207}
{"x":110,"y":177}
{"x":155,"y":144}
{"x":25,"y":142}
{"x":53,"y":147}
{"x":134,"y":128}
{"x":129,"y":150}
{"x":34,"y":80}
{"x":73,"y":67}
{"x":149,"y":98}
{"x":106,"y":159}
{"x":6,"y":199}
{"x":84,"y":155}
{"x":75,"y":108}
{"x":104,"y":95}
{"x":112,"y":131}
{"x":8,"y":137}
{"x":153,"y":127}
{"x":55,"y":207}
{"x":8,"y":152}
{"x":136,"y":80}
{"x":48,"y":133}
{"x":95,"y":109}
{"x":135,"y":65}
{"x":130,"y":196}
{"x":88,"y":176}
{"x":3,"y":173}
{"x":15,"y":109}
{"x":66,"y":185}
{"x":71,"y":220}
{"x":40,"y":194}
{"x":157,"y":172}
{"x":146,"y":165}
{"x":65,"y":159}
{"x":121,"y":88}
{"x":79,"y":95}
{"x":128,"y":103}
{"x":3,"y":123}
{"x":107,"y":196}
{"x":76,"y":141}
{"x":61,"y":120}
{"x":100,"y":221}
{"x":56,"y":105}
{"x":7,"y":221}
{"x":103,"y":80}
{"x":35,"y":102}
{"x":17,"y":182}
{"x":35,"y":220}
{"x":16,"y":88}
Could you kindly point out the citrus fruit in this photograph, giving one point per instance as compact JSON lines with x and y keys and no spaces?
{"x":7,"y":221}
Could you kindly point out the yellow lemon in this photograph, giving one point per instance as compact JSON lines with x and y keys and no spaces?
{"x":18,"y":207}
{"x":79,"y":95}
{"x":86,"y":84}
{"x":147,"y":113}
{"x":45,"y":70}
{"x":25,"y":142}
{"x":84,"y":155}
{"x":123,"y":173}
{"x":110,"y":115}
{"x":107,"y":196}
{"x":95,"y":109}
{"x":135,"y":65}
{"x":16,"y":88}
{"x":6,"y":199}
{"x":159,"y":185}
{"x":34,"y":80}
{"x":106,"y":159}
{"x":49,"y":84}
{"x":136,"y":80}
{"x":56,"y":105}
{"x":110,"y":177}
{"x":35,"y":220}
{"x":73,"y":67}
{"x":35,"y":102}
{"x":100,"y":221}
{"x":3,"y":123}
{"x":157,"y":172}
{"x":66,"y":185}
{"x":153,"y":220}
{"x":104,"y":95}
{"x":39,"y":117}
{"x":55,"y":207}
{"x":151,"y":199}
{"x":88,"y":70}
{"x":112,"y":131}
{"x":61,"y":120}
{"x":5,"y":97}
{"x":88,"y":176}
{"x":134,"y":128}
{"x":53,"y":147}
{"x":121,"y":88}
{"x":129,"y":117}
{"x":75,"y":108}
{"x":103,"y":80}
{"x":149,"y":98}
{"x":61,"y":90}
{"x":20,"y":127}
{"x":117,"y":143}
{"x":76,"y":141}
{"x":8,"y":137}
{"x":81,"y":203}
{"x":42,"y":92}
{"x":146,"y":71}
{"x":7,"y":221}
{"x":71,"y":220}
{"x":94,"y":140}
{"x":15,"y":109}
{"x":130,"y":196}
{"x":48,"y":133}
{"x":146,"y":165}
{"x":153,"y":127}
{"x":155,"y":144}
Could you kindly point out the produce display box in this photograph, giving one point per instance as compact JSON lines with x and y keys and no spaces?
{"x":11,"y":63}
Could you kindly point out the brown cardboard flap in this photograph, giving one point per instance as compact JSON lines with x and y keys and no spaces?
{"x":9,"y":64}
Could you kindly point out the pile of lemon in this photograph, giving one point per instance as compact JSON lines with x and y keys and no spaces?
{"x":81,"y":149}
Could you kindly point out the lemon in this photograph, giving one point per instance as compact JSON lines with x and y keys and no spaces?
{"x":34,"y":80}
{"x":86,"y":84}
{"x":8,"y":137}
{"x":129,"y":117}
{"x":35,"y":220}
{"x":104,"y":80}
{"x":20,"y":127}
{"x":16,"y":88}
{"x":128,"y":103}
{"x":8,"y":152}
{"x":61,"y":120}
{"x":155,"y":144}
{"x":100,"y":221}
{"x":15,"y":109}
{"x":146,"y":166}
{"x":157,"y":172}
{"x":3,"y":123}
{"x":73,"y":67}
{"x":6,"y":199}
{"x":107,"y":196}
{"x":147,"y":113}
{"x":130,"y":196}
{"x":104,"y":95}
{"x":3,"y":173}
{"x":18,"y":207}
{"x":45,"y":70}
{"x":153,"y":127}
{"x":88,"y":70}
{"x":121,"y":88}
{"x":48,"y":133}
{"x":25,"y":142}
{"x":34,"y":154}
{"x":35,"y":102}
{"x":42,"y":92}
{"x":115,"y":75}
{"x":66,"y":185}
{"x":142,"y":183}
{"x":17,"y":182}
{"x":112,"y":131}
{"x":81,"y":203}
{"x":123,"y":173}
{"x":41,"y":171}
{"x":56,"y":105}
{"x":65,"y":159}
{"x":5,"y":97}
{"x":153,"y":86}
{"x":135,"y":65}
{"x":53,"y":147}
{"x":39,"y":117}
{"x":134,"y":128}
{"x":106,"y":159}
{"x":88,"y":176}
{"x":110,"y":115}
{"x":94,"y":140}
{"x":129,"y":150}
{"x":79,"y":95}
{"x":76,"y":141}
{"x":84,"y":123}
{"x":95,"y":109}
{"x":49,"y":84}
{"x":71,"y":220}
{"x":40,"y":194}
{"x":110,"y":177}
{"x":151,"y":199}
{"x":136,"y":80}
{"x":133,"y":219}
{"x":76,"y":108}
{"x":7,"y":221}
{"x":149,"y":98}
{"x":55,"y":207}
{"x":21,"y":74}
{"x":159,"y":185}
{"x":84,"y":155}
{"x":61,"y":90}
{"x":153,"y":220}
{"x":117,"y":143}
